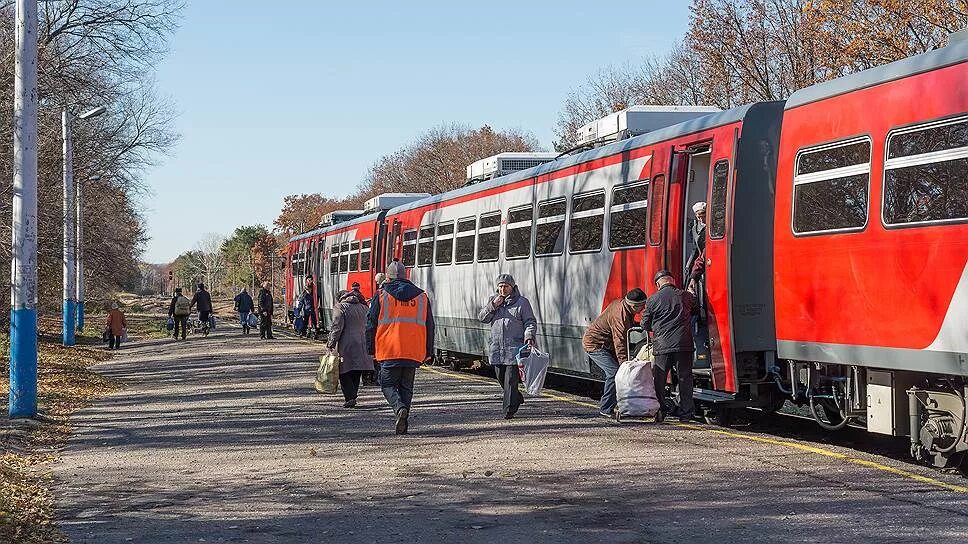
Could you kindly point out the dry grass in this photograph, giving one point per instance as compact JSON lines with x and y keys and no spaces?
{"x":65,"y":384}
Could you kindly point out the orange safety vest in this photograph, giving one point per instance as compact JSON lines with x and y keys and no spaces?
{"x":401,"y":331}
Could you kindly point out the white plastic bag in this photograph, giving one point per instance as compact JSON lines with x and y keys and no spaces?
{"x":635,"y":389}
{"x":534,"y":369}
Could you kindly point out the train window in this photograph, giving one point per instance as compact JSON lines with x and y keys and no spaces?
{"x":830,"y":187}
{"x":587,"y":222}
{"x":409,"y":248}
{"x":925,"y":173}
{"x":489,"y":237}
{"x":628,"y":216}
{"x":517,"y":235}
{"x":445,"y":243}
{"x":365,"y":251}
{"x":549,"y":238}
{"x":464,"y":246}
{"x":717,"y":200}
{"x":334,"y":259}
{"x":425,"y":250}
{"x":344,"y":257}
{"x":354,"y":256}
{"x":657,"y":211}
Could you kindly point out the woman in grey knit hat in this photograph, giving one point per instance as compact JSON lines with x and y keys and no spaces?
{"x":513,"y":325}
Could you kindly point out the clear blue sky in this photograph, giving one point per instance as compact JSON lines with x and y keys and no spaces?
{"x":277,"y":98}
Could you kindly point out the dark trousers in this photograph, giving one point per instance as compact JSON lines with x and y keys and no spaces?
{"x":509,"y":378}
{"x":203,"y":316}
{"x":114,"y":342}
{"x":181,"y":323}
{"x":349,"y":382}
{"x":397,"y":385}
{"x":606,"y":361}
{"x":682,"y":361}
{"x":265,"y":326}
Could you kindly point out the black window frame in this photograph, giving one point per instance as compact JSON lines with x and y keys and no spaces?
{"x":711,"y":208}
{"x":334,"y":259}
{"x":344,"y":251}
{"x":355,"y":256}
{"x":843,"y":142}
{"x":571,"y":220}
{"x":422,"y":240}
{"x":480,"y":226}
{"x":405,"y":243}
{"x":366,"y":246}
{"x":437,"y":239}
{"x":611,"y":205}
{"x":507,"y":229}
{"x":537,"y":224}
{"x":923,"y":125}
{"x":472,"y":234}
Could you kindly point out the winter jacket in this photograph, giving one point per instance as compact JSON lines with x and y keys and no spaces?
{"x":512,"y":323}
{"x":265,"y":302}
{"x":307,"y":303}
{"x":174,"y":301}
{"x":403,"y":290}
{"x":203,"y":301}
{"x":668,"y":314}
{"x":243,"y":303}
{"x":348,"y":334}
{"x":116,"y":323}
{"x":608,"y":330}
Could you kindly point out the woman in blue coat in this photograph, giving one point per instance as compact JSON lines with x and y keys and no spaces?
{"x":512,"y":326}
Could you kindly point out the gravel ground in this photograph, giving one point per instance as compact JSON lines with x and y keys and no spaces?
{"x":223,"y":439}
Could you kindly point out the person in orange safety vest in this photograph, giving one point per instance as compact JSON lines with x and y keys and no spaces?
{"x":400,"y":335}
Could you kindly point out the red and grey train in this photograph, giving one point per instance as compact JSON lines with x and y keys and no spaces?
{"x":836,"y":248}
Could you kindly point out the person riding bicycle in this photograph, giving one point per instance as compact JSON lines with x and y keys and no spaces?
{"x":203,"y":300}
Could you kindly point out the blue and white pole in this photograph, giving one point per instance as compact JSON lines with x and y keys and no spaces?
{"x":23,"y":270}
{"x":80,"y":255}
{"x":70,"y":212}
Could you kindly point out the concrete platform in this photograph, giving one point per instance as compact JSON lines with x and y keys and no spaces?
{"x":225,"y":440}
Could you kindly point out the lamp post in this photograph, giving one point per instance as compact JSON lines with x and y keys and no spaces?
{"x":70,"y":225}
{"x":80,"y":252}
{"x":23,"y":270}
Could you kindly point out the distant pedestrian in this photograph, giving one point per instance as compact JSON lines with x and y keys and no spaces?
{"x":308,"y":308}
{"x":244,"y":305}
{"x":513,"y":326}
{"x":265,"y":312}
{"x":115,"y":326}
{"x":348,"y":338}
{"x":203,"y":301}
{"x":606,"y":344}
{"x":668,"y":314}
{"x":179,"y":310}
{"x":400,"y":334}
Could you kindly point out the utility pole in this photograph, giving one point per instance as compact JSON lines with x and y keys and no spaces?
{"x":79,"y":283}
{"x":70,"y":213}
{"x":23,"y":270}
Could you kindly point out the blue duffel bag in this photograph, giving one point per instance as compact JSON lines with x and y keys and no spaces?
{"x":298,"y":323}
{"x":170,"y":324}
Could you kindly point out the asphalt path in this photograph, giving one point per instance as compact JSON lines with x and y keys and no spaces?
{"x":224,"y":439}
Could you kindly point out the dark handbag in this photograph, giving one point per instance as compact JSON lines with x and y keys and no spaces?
{"x":107,"y":335}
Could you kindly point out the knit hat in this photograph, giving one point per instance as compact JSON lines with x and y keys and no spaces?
{"x":396,"y":270}
{"x":505,"y":278}
{"x":380,"y":278}
{"x":355,"y":286}
{"x":635,"y":296}
{"x":698,"y":207}
{"x":661,"y":274}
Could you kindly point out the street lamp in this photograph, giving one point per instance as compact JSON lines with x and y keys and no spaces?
{"x":80,"y":248}
{"x":71,"y":221}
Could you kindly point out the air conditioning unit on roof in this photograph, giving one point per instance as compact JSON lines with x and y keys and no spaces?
{"x":387,"y":201}
{"x":503,"y":164}
{"x":340,"y":216}
{"x":637,"y":120}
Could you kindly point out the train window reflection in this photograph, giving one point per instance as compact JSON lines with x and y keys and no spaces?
{"x":425,"y":249}
{"x":717,"y":200}
{"x":354,"y":256}
{"x":365,"y":255}
{"x":344,"y":257}
{"x":409,"y":248}
{"x":334,"y":259}
{"x":445,"y":243}
{"x":925,"y":173}
{"x":587,"y":222}
{"x":628,"y":216}
{"x":489,"y":237}
{"x":549,"y":238}
{"x":464,"y":246}
{"x":517,"y":237}
{"x":830,"y":189}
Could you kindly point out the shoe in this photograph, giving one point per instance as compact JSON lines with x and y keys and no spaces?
{"x":350,"y":403}
{"x":510,"y":413}
{"x":402,"y":423}
{"x":659,"y":416}
{"x":609,"y":415}
{"x":685,"y":419}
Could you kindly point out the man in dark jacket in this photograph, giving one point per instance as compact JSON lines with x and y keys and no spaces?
{"x":244,"y":305}
{"x":668,"y":314}
{"x":308,"y":310}
{"x":265,"y":312}
{"x":203,"y":300}
{"x":606,"y":344}
{"x":400,"y":335}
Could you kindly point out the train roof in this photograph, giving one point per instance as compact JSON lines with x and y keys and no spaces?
{"x":954,"y":53}
{"x":667,"y":133}
{"x":338,"y":226}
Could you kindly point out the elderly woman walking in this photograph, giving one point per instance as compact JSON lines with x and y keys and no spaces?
{"x":115,"y":326}
{"x":348,"y":338}
{"x":512,"y":326}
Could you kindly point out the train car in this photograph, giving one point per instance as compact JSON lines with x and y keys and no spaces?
{"x":871,"y":244}
{"x":579,"y":232}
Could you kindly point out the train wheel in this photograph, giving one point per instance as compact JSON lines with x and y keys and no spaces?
{"x":776,"y":402}
{"x":454,"y":364}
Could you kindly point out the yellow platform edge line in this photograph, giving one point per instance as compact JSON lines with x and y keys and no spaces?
{"x":733,"y":434}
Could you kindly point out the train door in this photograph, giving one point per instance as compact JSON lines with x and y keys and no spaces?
{"x":694,"y":242}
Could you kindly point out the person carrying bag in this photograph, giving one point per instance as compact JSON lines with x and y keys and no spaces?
{"x":533,"y":366}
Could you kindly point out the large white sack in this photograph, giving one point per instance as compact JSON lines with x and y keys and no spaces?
{"x":635,"y":389}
